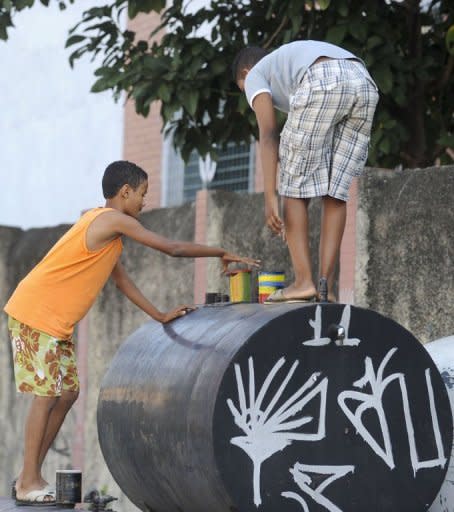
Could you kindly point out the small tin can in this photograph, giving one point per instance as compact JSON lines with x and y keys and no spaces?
{"x":68,"y":487}
{"x":269,"y":282}
{"x":240,"y":286}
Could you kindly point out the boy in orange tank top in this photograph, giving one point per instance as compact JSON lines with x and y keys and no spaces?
{"x":67,"y":282}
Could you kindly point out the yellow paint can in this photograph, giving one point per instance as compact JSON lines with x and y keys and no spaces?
{"x":269,"y":282}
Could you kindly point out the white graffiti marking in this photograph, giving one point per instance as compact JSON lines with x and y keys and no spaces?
{"x":374,"y":401}
{"x":268,"y":432}
{"x":301,"y":475}
{"x":345,"y":322}
{"x":316,"y":324}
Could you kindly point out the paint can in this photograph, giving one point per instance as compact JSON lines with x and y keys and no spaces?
{"x":68,"y":487}
{"x":215,"y":297}
{"x":240,"y":285}
{"x":211,"y":297}
{"x":269,"y":282}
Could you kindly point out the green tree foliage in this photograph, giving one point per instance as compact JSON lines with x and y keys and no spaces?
{"x":408,"y":46}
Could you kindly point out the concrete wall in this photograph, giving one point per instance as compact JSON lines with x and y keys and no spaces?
{"x":20,"y":250}
{"x":405,"y":252}
{"x":237,"y":224}
{"x":404,"y":257}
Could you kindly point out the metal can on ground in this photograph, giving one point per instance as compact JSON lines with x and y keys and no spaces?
{"x":68,"y":487}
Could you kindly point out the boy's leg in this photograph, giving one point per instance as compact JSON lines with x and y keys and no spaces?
{"x":296,"y":231}
{"x":35,"y":428}
{"x":46,"y":367}
{"x":334,"y":215}
{"x":349,"y":155}
{"x":69,"y":393}
{"x":56,"y":417}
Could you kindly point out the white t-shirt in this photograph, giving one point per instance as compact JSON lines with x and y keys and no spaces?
{"x":280,"y":72}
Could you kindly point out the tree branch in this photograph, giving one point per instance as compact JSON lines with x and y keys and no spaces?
{"x":276,"y":32}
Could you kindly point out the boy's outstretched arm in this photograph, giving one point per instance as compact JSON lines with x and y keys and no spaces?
{"x":126,"y":285}
{"x":269,"y":152}
{"x":126,"y":225}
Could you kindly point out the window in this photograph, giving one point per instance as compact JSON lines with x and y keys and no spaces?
{"x":234,"y":172}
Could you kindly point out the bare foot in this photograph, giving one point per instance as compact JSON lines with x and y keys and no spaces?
{"x":296,"y":292}
{"x":41,"y":483}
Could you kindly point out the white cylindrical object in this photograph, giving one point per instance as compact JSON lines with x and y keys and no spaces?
{"x":442,"y":353}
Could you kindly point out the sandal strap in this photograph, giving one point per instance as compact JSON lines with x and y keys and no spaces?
{"x":323,"y":290}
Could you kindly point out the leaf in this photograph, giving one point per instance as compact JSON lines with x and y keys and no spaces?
{"x":156,"y":64}
{"x":450,"y":40}
{"x":76,"y":55}
{"x":336,"y":34}
{"x":296,"y":23}
{"x":390,"y":123}
{"x":3,"y":33}
{"x":218,"y":66}
{"x":324,"y":4}
{"x":164,"y":93}
{"x":384,"y":78}
{"x":168,"y":110}
{"x":74,"y":40}
{"x":342,"y":8}
{"x":446,"y":140}
{"x":358,"y":29}
{"x":100,"y":85}
{"x":189,"y":100}
{"x":385,"y":146}
{"x":243,"y":105}
{"x":22,"y":4}
{"x":137,"y":6}
{"x":373,"y":42}
{"x":158,"y":5}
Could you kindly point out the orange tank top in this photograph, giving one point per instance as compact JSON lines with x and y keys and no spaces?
{"x":60,"y":290}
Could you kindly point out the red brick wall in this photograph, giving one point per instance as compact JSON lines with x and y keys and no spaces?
{"x":200,"y":237}
{"x":142,"y":140}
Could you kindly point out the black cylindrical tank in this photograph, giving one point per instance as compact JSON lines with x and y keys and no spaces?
{"x":289,"y":407}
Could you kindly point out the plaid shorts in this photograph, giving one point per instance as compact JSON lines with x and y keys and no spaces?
{"x":43,"y":364}
{"x":324,"y":143}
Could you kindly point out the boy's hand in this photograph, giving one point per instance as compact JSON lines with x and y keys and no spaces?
{"x":176,"y":313}
{"x":272,"y":219}
{"x":234,"y":258}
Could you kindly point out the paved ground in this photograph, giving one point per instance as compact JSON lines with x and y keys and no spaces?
{"x":8,"y":505}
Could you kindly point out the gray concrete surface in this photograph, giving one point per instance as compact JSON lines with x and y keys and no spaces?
{"x":406,"y":253}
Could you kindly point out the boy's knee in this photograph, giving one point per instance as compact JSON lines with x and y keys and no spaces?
{"x":67,"y":398}
{"x":46,"y":402}
{"x":333,"y":201}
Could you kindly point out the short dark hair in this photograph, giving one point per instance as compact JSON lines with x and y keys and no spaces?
{"x":121,"y":173}
{"x":246,"y":58}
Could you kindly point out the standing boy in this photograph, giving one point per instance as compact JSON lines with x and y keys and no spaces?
{"x":59,"y":291}
{"x":330,"y":99}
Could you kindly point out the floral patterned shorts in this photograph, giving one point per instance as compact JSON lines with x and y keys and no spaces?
{"x":43,"y":364}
